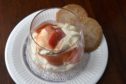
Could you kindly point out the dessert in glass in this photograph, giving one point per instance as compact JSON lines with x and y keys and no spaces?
{"x":55,"y":48}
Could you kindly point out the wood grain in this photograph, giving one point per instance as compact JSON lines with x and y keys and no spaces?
{"x":111,"y":14}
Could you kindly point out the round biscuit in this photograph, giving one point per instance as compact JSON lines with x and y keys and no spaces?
{"x":92,"y":34}
{"x":77,"y":10}
{"x":70,"y":13}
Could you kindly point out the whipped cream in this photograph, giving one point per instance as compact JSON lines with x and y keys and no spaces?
{"x":47,"y":66}
{"x":72,"y":36}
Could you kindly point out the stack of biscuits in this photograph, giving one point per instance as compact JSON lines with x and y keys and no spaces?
{"x":92,"y":30}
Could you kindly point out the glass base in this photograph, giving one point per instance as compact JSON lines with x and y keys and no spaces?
{"x":51,"y":75}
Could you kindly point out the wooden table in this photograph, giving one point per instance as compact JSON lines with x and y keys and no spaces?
{"x":111,"y":14}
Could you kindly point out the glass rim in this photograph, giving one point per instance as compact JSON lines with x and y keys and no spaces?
{"x":43,"y":11}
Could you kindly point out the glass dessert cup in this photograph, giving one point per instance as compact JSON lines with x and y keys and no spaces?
{"x":55,"y":48}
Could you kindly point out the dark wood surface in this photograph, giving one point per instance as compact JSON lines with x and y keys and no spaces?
{"x":111,"y":14}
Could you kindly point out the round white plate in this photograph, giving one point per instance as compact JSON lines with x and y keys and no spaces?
{"x":21,"y":74}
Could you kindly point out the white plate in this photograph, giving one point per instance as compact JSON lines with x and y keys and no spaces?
{"x":21,"y":74}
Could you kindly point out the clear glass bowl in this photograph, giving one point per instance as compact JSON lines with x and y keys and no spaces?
{"x":59,"y":64}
